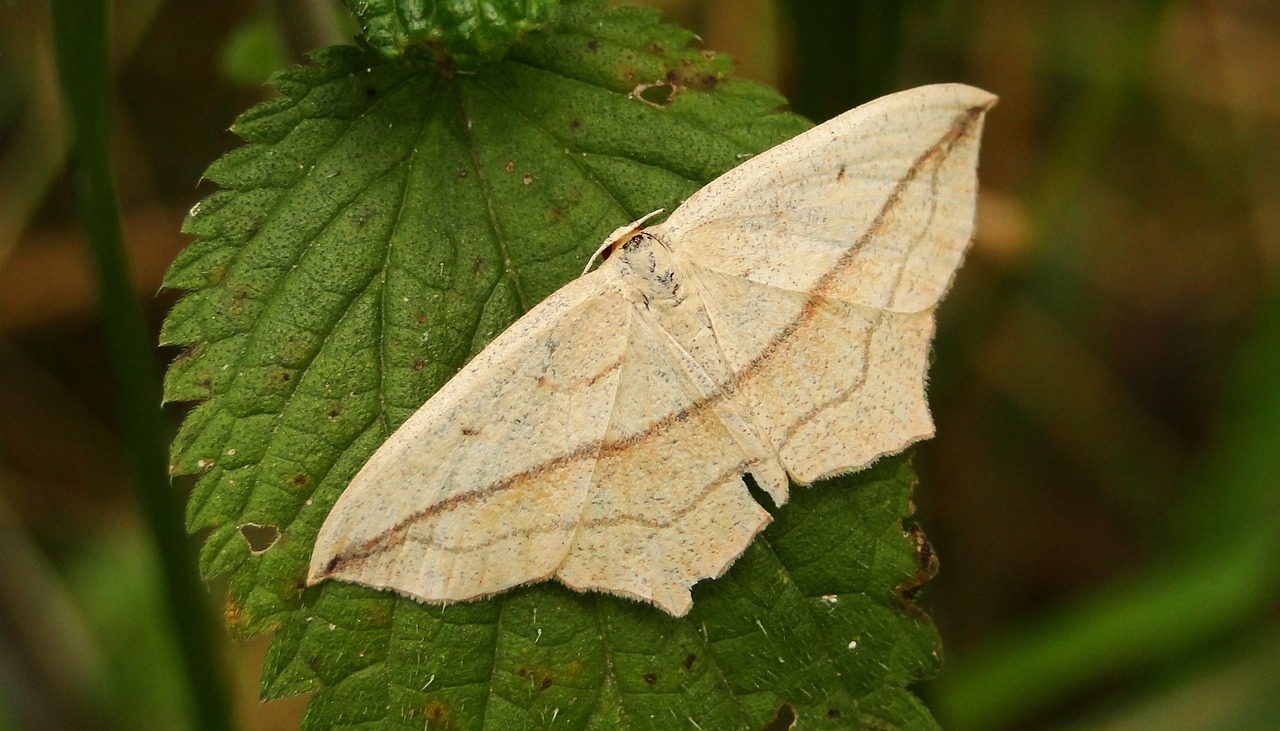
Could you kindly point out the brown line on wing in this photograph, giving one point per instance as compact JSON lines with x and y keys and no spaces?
{"x":397,"y":534}
{"x":675,"y":516}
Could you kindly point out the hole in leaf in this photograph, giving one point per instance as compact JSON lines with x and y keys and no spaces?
{"x":259,"y":537}
{"x":784,"y":718}
{"x":655,"y":95}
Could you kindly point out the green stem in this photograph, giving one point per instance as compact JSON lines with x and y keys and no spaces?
{"x":80,"y":36}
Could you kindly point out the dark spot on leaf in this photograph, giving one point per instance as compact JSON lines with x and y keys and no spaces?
{"x":259,"y":537}
{"x":285,"y":376}
{"x":419,"y":364}
{"x":370,"y":91}
{"x":334,"y":411}
{"x":420,"y":318}
{"x":593,"y":45}
{"x":332,"y":565}
{"x":556,"y":213}
{"x":784,"y":718}
{"x":657,"y":49}
{"x":689,"y":661}
{"x":436,"y":710}
{"x":206,"y":383}
{"x":673,"y":76}
{"x":833,"y":713}
{"x":522,"y":671}
{"x":469,"y":432}
{"x":462,"y":173}
{"x":650,"y":679}
{"x":546,"y":683}
{"x":475,"y":268}
{"x":840,"y":175}
{"x":300,"y":480}
{"x":575,"y":125}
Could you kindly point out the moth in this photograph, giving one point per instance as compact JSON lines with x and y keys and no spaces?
{"x":777,"y":323}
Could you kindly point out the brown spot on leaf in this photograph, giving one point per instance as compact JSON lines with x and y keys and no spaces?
{"x":593,"y":45}
{"x":926,"y":569}
{"x":650,"y":679}
{"x":436,"y":711}
{"x":833,"y":713}
{"x":419,"y":364}
{"x":656,"y":49}
{"x":420,"y":318}
{"x":575,"y":125}
{"x":840,"y":174}
{"x":300,"y":480}
{"x":689,"y":661}
{"x":233,"y":615}
{"x":510,"y":166}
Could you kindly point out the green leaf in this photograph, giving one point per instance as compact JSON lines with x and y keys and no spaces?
{"x":469,"y":32}
{"x":387,"y":219}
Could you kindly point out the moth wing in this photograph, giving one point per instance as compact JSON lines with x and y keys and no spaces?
{"x":832,"y":385}
{"x":481,"y":489}
{"x":874,"y":207}
{"x":671,"y":507}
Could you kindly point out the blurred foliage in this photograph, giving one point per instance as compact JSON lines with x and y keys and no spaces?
{"x":254,"y":51}
{"x":1101,"y":385}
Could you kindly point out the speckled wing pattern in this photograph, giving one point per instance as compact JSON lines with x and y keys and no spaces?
{"x":777,"y":323}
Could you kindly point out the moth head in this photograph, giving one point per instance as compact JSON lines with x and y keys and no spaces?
{"x":620,"y":236}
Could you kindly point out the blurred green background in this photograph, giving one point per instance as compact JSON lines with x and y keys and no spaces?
{"x":1102,"y":492}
